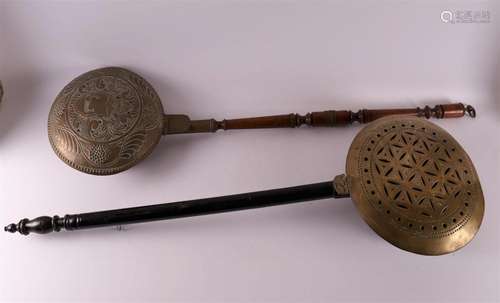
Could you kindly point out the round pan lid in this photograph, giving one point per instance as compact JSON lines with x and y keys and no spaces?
{"x":415,"y":185}
{"x":105,"y":121}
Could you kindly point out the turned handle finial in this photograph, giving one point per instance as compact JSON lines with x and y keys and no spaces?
{"x":11,"y":228}
{"x":40,"y":225}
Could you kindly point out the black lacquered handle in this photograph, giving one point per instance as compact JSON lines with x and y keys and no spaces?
{"x":45,"y":224}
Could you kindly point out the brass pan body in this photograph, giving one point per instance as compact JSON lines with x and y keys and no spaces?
{"x":415,"y":185}
{"x":105,"y":121}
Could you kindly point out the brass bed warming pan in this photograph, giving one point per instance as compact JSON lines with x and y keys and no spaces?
{"x":107,"y":120}
{"x":410,"y":180}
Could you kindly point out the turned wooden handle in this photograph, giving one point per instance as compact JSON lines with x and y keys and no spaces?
{"x":179,"y":124}
{"x":344,"y":117}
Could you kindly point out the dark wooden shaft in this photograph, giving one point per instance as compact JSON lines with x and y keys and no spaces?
{"x":46,"y":224}
{"x":180,"y":124}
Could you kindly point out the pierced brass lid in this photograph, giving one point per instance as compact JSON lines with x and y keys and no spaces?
{"x":415,"y":185}
{"x":105,"y":121}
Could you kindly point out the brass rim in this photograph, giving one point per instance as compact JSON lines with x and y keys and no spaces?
{"x":415,"y":185}
{"x":105,"y":121}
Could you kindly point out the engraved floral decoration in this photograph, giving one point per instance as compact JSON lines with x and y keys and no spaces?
{"x":103,"y":109}
{"x":105,"y":120}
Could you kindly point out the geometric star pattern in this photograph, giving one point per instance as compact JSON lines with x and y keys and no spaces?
{"x":414,"y":185}
{"x":413,"y":179}
{"x":417,"y":177}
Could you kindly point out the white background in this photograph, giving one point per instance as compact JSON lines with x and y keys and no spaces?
{"x":229,"y":59}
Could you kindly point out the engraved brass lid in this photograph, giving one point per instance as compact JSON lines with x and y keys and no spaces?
{"x":105,"y":121}
{"x":415,"y":185}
